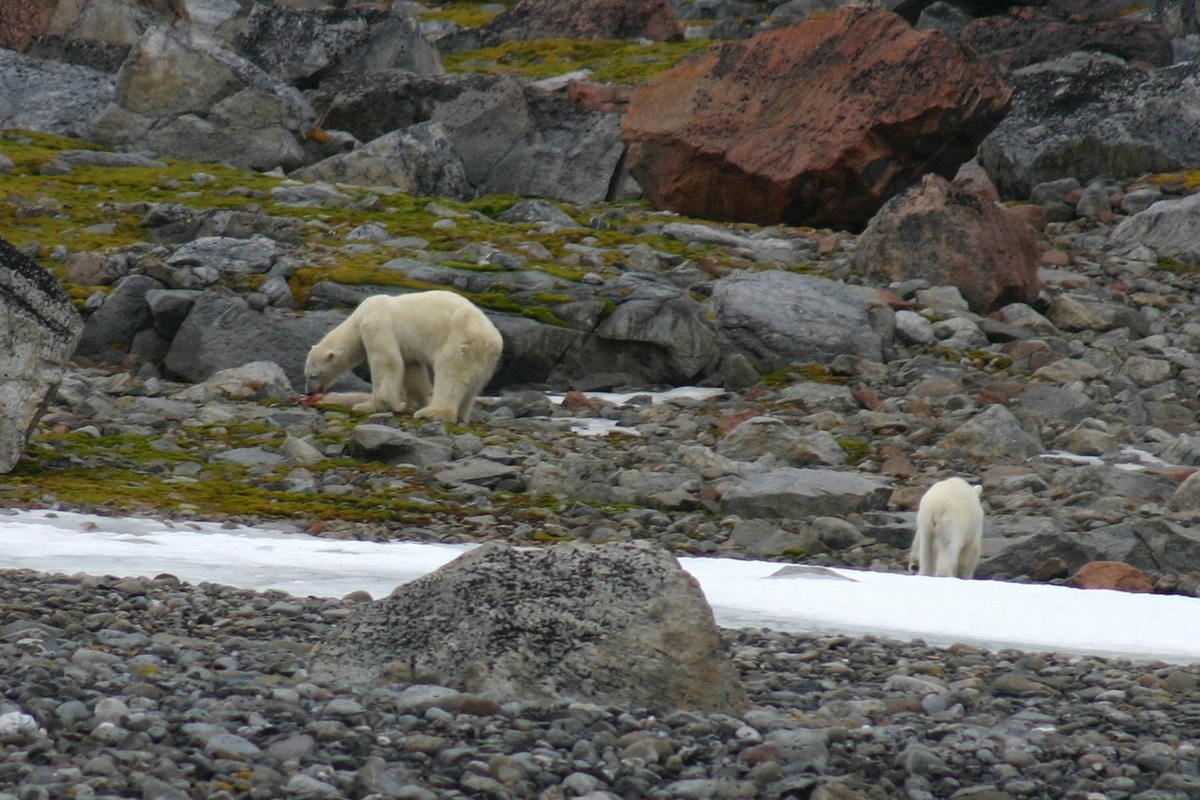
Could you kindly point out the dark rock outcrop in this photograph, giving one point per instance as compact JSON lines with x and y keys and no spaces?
{"x":1090,"y":115}
{"x":1029,"y":35}
{"x":301,"y":47}
{"x":224,"y":332}
{"x":815,"y":124}
{"x":585,"y":19}
{"x":605,"y":624}
{"x":38,"y":331}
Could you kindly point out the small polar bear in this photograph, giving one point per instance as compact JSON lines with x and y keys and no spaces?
{"x":402,"y":338}
{"x":949,"y":530}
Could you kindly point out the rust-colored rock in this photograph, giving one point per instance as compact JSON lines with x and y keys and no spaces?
{"x":586,"y":19}
{"x":1110,"y":575}
{"x":602,"y":97}
{"x":1028,"y":35}
{"x":23,"y":21}
{"x":953,"y":234}
{"x":814,"y":124}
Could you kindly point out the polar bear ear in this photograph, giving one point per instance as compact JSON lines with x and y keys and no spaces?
{"x":978,"y":491}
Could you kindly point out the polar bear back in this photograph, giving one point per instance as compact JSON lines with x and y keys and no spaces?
{"x":949,"y":529}
{"x":422,"y":323}
{"x":952,"y":503}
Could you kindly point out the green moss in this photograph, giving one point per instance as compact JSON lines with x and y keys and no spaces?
{"x":1169,"y":264}
{"x":855,"y":450}
{"x":543,"y":536}
{"x":549,"y":298}
{"x":126,"y":473}
{"x":468,"y":15}
{"x":544,"y":316}
{"x":1190,"y":179}
{"x":815,"y":373}
{"x":611,"y":61}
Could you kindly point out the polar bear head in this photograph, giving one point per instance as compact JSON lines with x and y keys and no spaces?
{"x":322,"y":367}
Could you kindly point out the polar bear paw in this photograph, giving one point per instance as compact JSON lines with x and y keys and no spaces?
{"x":438,"y":414}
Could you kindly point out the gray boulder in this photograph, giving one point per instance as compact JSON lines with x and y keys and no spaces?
{"x":1091,"y":115}
{"x":1147,"y":544}
{"x":175,"y":223}
{"x":1170,"y":227}
{"x":418,"y":160}
{"x":45,"y":96}
{"x":780,"y":318}
{"x":1179,"y":17}
{"x":224,"y":332}
{"x":665,"y":323}
{"x":531,"y":350}
{"x":38,"y":331}
{"x":484,"y":125}
{"x":394,"y":446}
{"x":109,"y":331}
{"x":512,"y":137}
{"x":300,"y":46}
{"x":792,"y":493}
{"x":370,"y":104}
{"x":568,"y":153}
{"x":760,"y":539}
{"x":227,"y":254}
{"x":993,"y":434}
{"x":758,"y":436}
{"x":181,"y":94}
{"x":615,"y":625}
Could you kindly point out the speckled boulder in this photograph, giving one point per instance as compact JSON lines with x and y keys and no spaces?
{"x":613,"y":624}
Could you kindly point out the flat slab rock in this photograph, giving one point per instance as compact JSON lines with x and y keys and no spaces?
{"x":792,"y":492}
{"x":611,"y":624}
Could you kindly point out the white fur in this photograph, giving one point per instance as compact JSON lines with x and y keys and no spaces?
{"x":403,"y":338}
{"x":949,"y":530}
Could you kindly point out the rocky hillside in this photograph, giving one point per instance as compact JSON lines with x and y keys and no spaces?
{"x":776,"y":203}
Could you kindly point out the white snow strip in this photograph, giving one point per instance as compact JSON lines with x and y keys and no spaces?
{"x":989,"y":614}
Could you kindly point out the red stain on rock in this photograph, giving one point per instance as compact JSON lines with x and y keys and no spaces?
{"x":813,"y":124}
{"x":603,"y":97}
{"x":726,"y":424}
{"x":1110,"y":575}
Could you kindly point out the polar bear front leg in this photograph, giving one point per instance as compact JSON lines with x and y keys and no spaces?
{"x":387,"y":370}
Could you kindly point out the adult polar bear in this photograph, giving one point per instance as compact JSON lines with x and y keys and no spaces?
{"x":401,"y":338}
{"x":949,"y":530}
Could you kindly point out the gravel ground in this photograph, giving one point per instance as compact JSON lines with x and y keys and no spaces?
{"x":165,"y":690}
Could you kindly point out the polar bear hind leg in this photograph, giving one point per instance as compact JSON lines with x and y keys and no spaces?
{"x":463,"y":366}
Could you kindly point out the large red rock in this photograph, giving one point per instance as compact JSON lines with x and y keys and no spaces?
{"x":586,"y":19}
{"x":814,"y":124}
{"x":22,"y":22}
{"x":1110,"y":575}
{"x":953,"y":234}
{"x":1028,"y":35}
